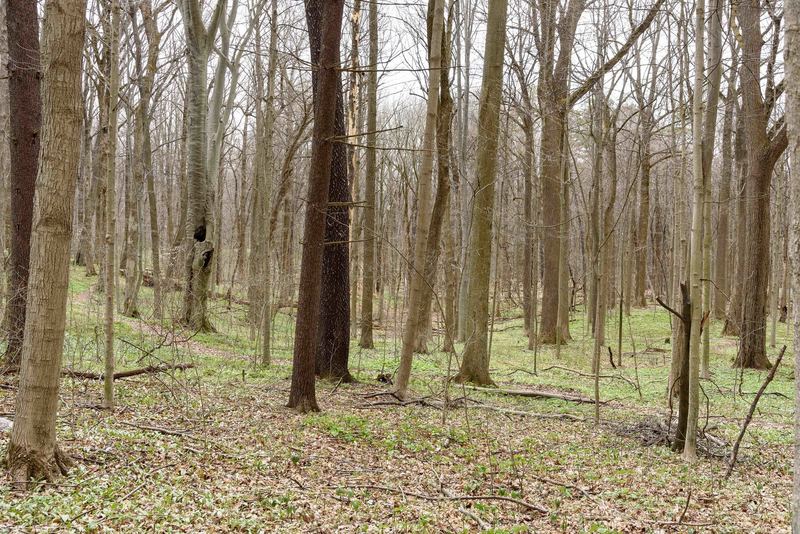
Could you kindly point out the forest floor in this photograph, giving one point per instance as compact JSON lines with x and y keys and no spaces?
{"x":213,"y":448}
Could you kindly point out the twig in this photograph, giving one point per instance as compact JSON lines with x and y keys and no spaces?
{"x":566,"y":485}
{"x":507,"y":411}
{"x":161,"y":430}
{"x":770,"y":376}
{"x":481,"y":523}
{"x":524,"y":504}
{"x":534,"y":394}
{"x":685,"y":508}
{"x":581,"y":373}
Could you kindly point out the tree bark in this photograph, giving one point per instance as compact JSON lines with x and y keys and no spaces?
{"x":325,"y":20}
{"x":417,"y":267}
{"x":475,"y":360}
{"x":25,"y":109}
{"x":763,"y":151}
{"x":722,"y":286}
{"x":792,"y":62}
{"x":442,"y":198}
{"x":333,"y":345}
{"x":199,"y":251}
{"x":368,"y":272}
{"x":32,"y":451}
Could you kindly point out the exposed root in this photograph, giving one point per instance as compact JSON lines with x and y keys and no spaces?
{"x":26,"y":467}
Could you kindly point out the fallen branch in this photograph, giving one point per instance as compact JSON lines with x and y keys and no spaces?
{"x":534,"y":394}
{"x":165,"y":431}
{"x":150,"y":369}
{"x":584,"y":492}
{"x":520,"y":502}
{"x":738,"y":442}
{"x":523,"y":413}
{"x":581,"y":373}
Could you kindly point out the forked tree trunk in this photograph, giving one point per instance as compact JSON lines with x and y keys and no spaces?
{"x":439,"y":212}
{"x":26,"y":118}
{"x":199,"y":250}
{"x":33,"y":452}
{"x":416,"y":269}
{"x":475,"y":360}
{"x":325,"y":20}
{"x":763,"y":151}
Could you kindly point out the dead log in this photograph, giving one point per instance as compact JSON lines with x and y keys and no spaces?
{"x":150,"y":369}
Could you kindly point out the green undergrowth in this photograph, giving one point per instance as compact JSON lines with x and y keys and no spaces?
{"x":234,"y":459}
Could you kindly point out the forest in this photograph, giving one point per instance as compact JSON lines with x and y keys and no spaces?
{"x":400,"y":266}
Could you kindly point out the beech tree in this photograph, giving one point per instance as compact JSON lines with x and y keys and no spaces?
{"x":199,"y":248}
{"x":33,"y":452}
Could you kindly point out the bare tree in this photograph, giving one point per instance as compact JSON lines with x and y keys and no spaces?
{"x":475,"y":361}
{"x":326,"y":19}
{"x":26,"y":118}
{"x":792,"y":62}
{"x":200,"y":251}
{"x":368,"y":289}
{"x":33,"y":452}
{"x":765,"y":144}
{"x":417,"y":274}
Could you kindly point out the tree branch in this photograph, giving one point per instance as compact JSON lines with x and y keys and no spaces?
{"x":611,"y":63}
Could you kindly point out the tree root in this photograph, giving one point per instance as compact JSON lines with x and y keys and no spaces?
{"x":27,"y":466}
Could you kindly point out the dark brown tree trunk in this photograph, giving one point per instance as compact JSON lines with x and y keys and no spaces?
{"x":26,"y":120}
{"x":333,"y":348}
{"x":752,"y":351}
{"x":681,"y":382}
{"x":550,"y":179}
{"x":763,"y":150}
{"x":324,"y":21}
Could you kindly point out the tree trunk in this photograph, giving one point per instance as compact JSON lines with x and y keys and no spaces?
{"x":442,"y":198}
{"x":324,"y":19}
{"x":722,"y":286}
{"x":475,"y":361}
{"x":26,"y":118}
{"x":733,"y":319}
{"x":368,"y":272}
{"x":32,"y":449}
{"x":333,"y":347}
{"x":643,"y":222}
{"x":696,"y":261}
{"x":199,"y":251}
{"x":417,"y":267}
{"x":762,"y":153}
{"x":792,"y":62}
